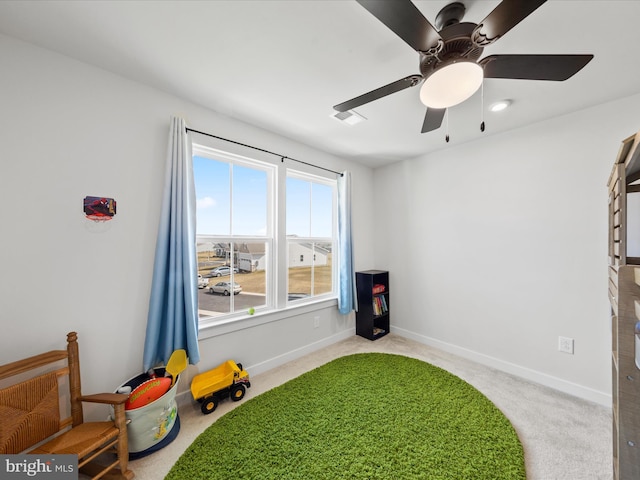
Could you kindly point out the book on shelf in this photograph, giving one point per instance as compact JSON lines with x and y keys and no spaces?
{"x":378,"y":288}
{"x":380,"y":305}
{"x":383,"y":300}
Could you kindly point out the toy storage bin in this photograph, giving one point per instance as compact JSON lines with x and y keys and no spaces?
{"x":149,"y":428}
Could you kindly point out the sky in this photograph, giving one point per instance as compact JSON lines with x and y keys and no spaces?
{"x":309,"y":205}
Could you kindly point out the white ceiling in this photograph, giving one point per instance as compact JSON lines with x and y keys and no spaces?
{"x":282,"y":65}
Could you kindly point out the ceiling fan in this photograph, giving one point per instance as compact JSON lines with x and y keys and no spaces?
{"x":449,"y":67}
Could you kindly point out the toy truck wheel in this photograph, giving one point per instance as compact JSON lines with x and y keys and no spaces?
{"x":209,"y":404}
{"x":237,"y":392}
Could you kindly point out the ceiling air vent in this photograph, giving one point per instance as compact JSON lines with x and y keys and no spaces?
{"x":349,"y":117}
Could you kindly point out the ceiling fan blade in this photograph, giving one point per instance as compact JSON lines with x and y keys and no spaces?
{"x":503,"y":18}
{"x":433,"y":119}
{"x":533,"y":67}
{"x":406,"y":21}
{"x":410,"y":81}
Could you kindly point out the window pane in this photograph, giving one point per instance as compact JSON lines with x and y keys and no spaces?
{"x":212,"y":196}
{"x":299,"y":270}
{"x":310,"y":232}
{"x":321,"y":210}
{"x":249,"y":201}
{"x":298,"y":207}
{"x":221,"y":273}
{"x":310,"y":269}
{"x":215,"y":277}
{"x":252,"y":263}
{"x":322,"y":271}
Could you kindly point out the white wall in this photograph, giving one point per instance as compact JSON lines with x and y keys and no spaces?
{"x":497,"y":247}
{"x":494,"y":247}
{"x":68,"y":130}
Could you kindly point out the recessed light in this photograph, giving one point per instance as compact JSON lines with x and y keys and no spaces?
{"x":499,"y":106}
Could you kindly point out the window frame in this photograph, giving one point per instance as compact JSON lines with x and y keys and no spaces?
{"x":277,"y":305}
{"x":200,"y":150}
{"x":333,"y":240}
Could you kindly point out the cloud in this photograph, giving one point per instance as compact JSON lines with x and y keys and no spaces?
{"x":206,"y":202}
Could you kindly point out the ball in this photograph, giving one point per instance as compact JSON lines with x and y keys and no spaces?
{"x":252,"y":311}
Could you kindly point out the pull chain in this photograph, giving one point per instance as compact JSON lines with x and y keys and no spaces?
{"x":482,"y":106}
{"x":447,"y":136}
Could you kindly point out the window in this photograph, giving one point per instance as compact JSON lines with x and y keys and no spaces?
{"x":233,"y":233}
{"x":241,"y":235}
{"x":311,"y":207}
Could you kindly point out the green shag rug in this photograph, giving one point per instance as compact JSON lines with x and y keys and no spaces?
{"x":363,"y":416}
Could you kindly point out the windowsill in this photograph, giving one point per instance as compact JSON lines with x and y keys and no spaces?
{"x":215,"y":328}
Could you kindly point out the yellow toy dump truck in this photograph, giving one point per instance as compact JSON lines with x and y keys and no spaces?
{"x":228,"y":379}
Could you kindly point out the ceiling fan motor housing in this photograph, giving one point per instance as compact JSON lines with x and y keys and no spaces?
{"x":450,"y":15}
{"x":457,"y":46}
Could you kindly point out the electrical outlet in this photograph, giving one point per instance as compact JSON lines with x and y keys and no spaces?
{"x":316,"y":322}
{"x":565,"y":344}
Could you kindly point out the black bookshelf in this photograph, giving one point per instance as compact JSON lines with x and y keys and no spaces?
{"x":372,"y":317}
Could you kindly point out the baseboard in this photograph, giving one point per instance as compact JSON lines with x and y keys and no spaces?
{"x":556,"y":383}
{"x":282,"y":359}
{"x":300,"y":352}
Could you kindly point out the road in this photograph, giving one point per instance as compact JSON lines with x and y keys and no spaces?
{"x":217,"y":302}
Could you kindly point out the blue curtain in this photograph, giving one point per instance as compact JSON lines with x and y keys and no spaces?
{"x":172,"y":321}
{"x":347,"y":299}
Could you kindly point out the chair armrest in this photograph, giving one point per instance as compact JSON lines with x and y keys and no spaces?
{"x":111,"y":398}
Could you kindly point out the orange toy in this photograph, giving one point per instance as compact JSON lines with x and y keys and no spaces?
{"x":148,"y":392}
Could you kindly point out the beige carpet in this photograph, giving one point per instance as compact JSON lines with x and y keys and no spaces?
{"x":564,"y":437}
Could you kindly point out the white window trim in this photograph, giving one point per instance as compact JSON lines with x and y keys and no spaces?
{"x":242,"y":322}
{"x":333,"y":183}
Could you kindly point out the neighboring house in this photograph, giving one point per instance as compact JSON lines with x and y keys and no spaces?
{"x":304,"y":255}
{"x":214,"y":249}
{"x":248,"y":257}
{"x":251,"y":257}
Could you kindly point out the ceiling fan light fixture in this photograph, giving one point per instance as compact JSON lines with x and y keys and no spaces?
{"x":451,"y":84}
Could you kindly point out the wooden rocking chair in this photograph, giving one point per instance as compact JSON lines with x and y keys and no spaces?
{"x":30,"y":412}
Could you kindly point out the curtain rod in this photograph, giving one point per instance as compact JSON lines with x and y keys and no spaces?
{"x":282,"y":157}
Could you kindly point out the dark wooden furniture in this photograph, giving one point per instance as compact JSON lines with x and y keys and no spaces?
{"x":624,"y":295}
{"x":372,"y":317}
{"x":30,"y":409}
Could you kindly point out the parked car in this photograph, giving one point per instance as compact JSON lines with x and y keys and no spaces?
{"x":225,"y":288}
{"x":202,"y":282}
{"x":221,"y":271}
